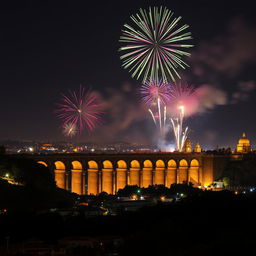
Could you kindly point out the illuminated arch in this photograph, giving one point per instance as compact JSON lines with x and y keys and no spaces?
{"x":43,"y":163}
{"x":194,"y":172}
{"x":171,"y":177}
{"x":183,"y":172}
{"x":183,"y":163}
{"x":76,"y":165}
{"x":107,"y":164}
{"x":147,"y":164}
{"x":194,"y":163}
{"x":159,"y":173}
{"x":59,"y":165}
{"x":172,"y":164}
{"x":121,"y":164}
{"x":92,"y":165}
{"x":135,"y":164}
{"x":160,"y":164}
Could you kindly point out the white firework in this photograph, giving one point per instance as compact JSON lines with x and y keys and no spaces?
{"x":69,"y":130}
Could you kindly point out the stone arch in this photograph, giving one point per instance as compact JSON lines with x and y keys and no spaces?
{"x":183,"y":171}
{"x":60,"y":174}
{"x":194,"y":172}
{"x":121,"y":175}
{"x":147,"y":164}
{"x":183,"y":163}
{"x":93,"y":165}
{"x":93,"y":179}
{"x":160,"y":164}
{"x":159,"y":178}
{"x":135,"y":164}
{"x":134,"y":178}
{"x":59,"y":165}
{"x":172,"y":164}
{"x":107,"y":177}
{"x":107,"y":164}
{"x":171,"y":176}
{"x":194,"y":163}
{"x":77,"y":178}
{"x":76,"y":165}
{"x":147,"y":174}
{"x":121,"y":164}
{"x":43,"y":163}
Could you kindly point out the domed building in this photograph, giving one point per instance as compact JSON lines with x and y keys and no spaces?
{"x":243,"y":145}
{"x":187,"y":146}
{"x":197,"y":148}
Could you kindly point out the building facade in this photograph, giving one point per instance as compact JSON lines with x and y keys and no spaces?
{"x":93,"y":174}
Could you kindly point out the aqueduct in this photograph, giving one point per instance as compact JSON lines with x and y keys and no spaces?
{"x":92,"y":173}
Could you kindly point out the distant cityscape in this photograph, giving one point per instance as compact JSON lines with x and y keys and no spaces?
{"x":21,"y":147}
{"x":42,"y":147}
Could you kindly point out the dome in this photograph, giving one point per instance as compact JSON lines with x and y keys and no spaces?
{"x":243,"y":145}
{"x":244,"y":140}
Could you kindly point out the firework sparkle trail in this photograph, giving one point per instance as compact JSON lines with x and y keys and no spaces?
{"x":177,"y":125}
{"x":81,"y":109}
{"x":153,"y":48}
{"x":153,"y":90}
{"x":182,"y":96}
{"x":156,"y":94}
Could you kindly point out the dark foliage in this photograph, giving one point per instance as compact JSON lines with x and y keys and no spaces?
{"x":159,"y":190}
{"x":241,"y":172}
{"x":36,"y":189}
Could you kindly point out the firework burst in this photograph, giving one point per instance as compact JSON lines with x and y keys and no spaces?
{"x":153,"y":90}
{"x":81,"y":109}
{"x":182,"y":95}
{"x":154,"y":46}
{"x":69,"y":130}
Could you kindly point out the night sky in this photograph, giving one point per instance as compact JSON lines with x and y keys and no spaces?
{"x":46,"y":49}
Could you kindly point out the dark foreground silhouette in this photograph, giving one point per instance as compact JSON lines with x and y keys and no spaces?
{"x":204,"y":222}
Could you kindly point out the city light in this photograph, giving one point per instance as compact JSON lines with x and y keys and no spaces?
{"x":134,"y":197}
{"x":162,"y":198}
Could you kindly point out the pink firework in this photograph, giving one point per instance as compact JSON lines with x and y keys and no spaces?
{"x":81,"y":109}
{"x":180,"y":90}
{"x":156,"y":94}
{"x":183,"y":95}
{"x":153,"y":90}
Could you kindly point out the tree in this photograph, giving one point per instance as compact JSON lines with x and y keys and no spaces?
{"x":128,"y":191}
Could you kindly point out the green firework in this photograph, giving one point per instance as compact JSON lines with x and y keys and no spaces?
{"x":154,"y":46}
